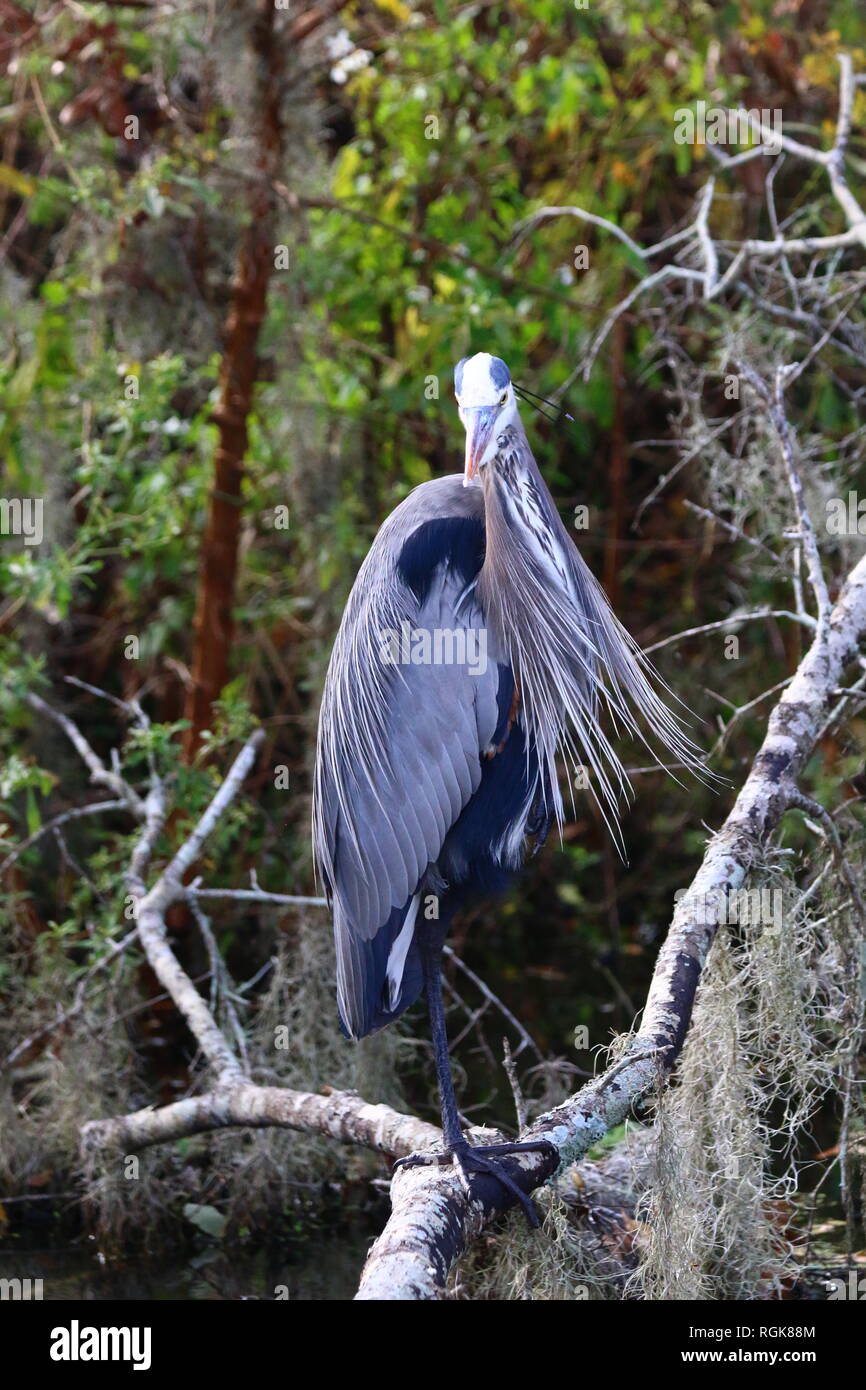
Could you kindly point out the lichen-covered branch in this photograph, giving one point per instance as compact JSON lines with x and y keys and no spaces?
{"x":338,"y":1115}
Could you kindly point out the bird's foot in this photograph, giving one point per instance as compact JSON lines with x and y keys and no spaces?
{"x":482,"y":1159}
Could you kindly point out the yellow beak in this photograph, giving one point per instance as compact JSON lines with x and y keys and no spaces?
{"x":479,"y":427}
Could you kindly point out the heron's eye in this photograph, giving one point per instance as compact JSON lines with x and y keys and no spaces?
{"x":503,"y":398}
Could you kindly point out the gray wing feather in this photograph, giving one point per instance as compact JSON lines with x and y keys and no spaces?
{"x":399,"y":753}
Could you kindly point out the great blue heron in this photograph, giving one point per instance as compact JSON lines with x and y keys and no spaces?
{"x":475,"y":650}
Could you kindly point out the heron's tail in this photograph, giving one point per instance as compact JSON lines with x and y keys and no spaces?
{"x":380,"y":978}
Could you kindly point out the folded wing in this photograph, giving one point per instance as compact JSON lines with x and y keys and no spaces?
{"x":411,"y":703}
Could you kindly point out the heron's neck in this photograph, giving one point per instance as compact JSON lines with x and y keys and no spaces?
{"x":522,"y":523}
{"x":568,"y":651}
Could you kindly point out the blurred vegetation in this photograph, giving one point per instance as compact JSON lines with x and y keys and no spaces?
{"x":417,"y":137}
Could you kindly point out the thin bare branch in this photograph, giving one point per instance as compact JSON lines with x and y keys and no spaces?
{"x":98,"y":771}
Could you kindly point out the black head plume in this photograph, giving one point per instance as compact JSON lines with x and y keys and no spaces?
{"x":532,"y":399}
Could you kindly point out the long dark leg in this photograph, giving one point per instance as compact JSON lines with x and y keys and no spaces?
{"x":470,"y":1159}
{"x":431,"y":964}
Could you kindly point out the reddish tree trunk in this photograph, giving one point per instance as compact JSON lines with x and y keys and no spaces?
{"x":214,"y":619}
{"x":213,"y":628}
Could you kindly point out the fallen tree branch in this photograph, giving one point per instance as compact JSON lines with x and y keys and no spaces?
{"x":338,"y":1115}
{"x":233,"y":1099}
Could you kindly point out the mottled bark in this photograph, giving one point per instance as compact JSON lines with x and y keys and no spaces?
{"x":340,"y":1115}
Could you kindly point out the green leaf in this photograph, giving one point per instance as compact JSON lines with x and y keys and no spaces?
{"x":206,"y":1219}
{"x":53,"y":292}
{"x":34,"y":820}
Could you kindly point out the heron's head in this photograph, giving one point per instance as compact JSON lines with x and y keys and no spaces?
{"x":486,"y":404}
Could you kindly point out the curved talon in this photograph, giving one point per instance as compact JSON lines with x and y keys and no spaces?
{"x":470,"y":1159}
{"x":424,"y":1160}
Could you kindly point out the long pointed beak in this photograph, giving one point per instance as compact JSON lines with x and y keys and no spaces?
{"x":479,"y":428}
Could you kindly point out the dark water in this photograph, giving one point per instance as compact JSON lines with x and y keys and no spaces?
{"x":319,"y":1265}
{"x":320,"y":1269}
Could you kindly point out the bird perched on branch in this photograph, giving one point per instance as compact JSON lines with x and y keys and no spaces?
{"x":476,"y":653}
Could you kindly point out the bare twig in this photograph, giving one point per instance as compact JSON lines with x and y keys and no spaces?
{"x":696,"y":240}
{"x":775,"y":402}
{"x":98,"y":771}
{"x":95,"y":808}
{"x":253,"y":895}
{"x":733,"y":621}
{"x":487,"y":992}
{"x":150,"y":909}
{"x":737,"y":533}
{"x":511,"y":1072}
{"x":799,"y":801}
